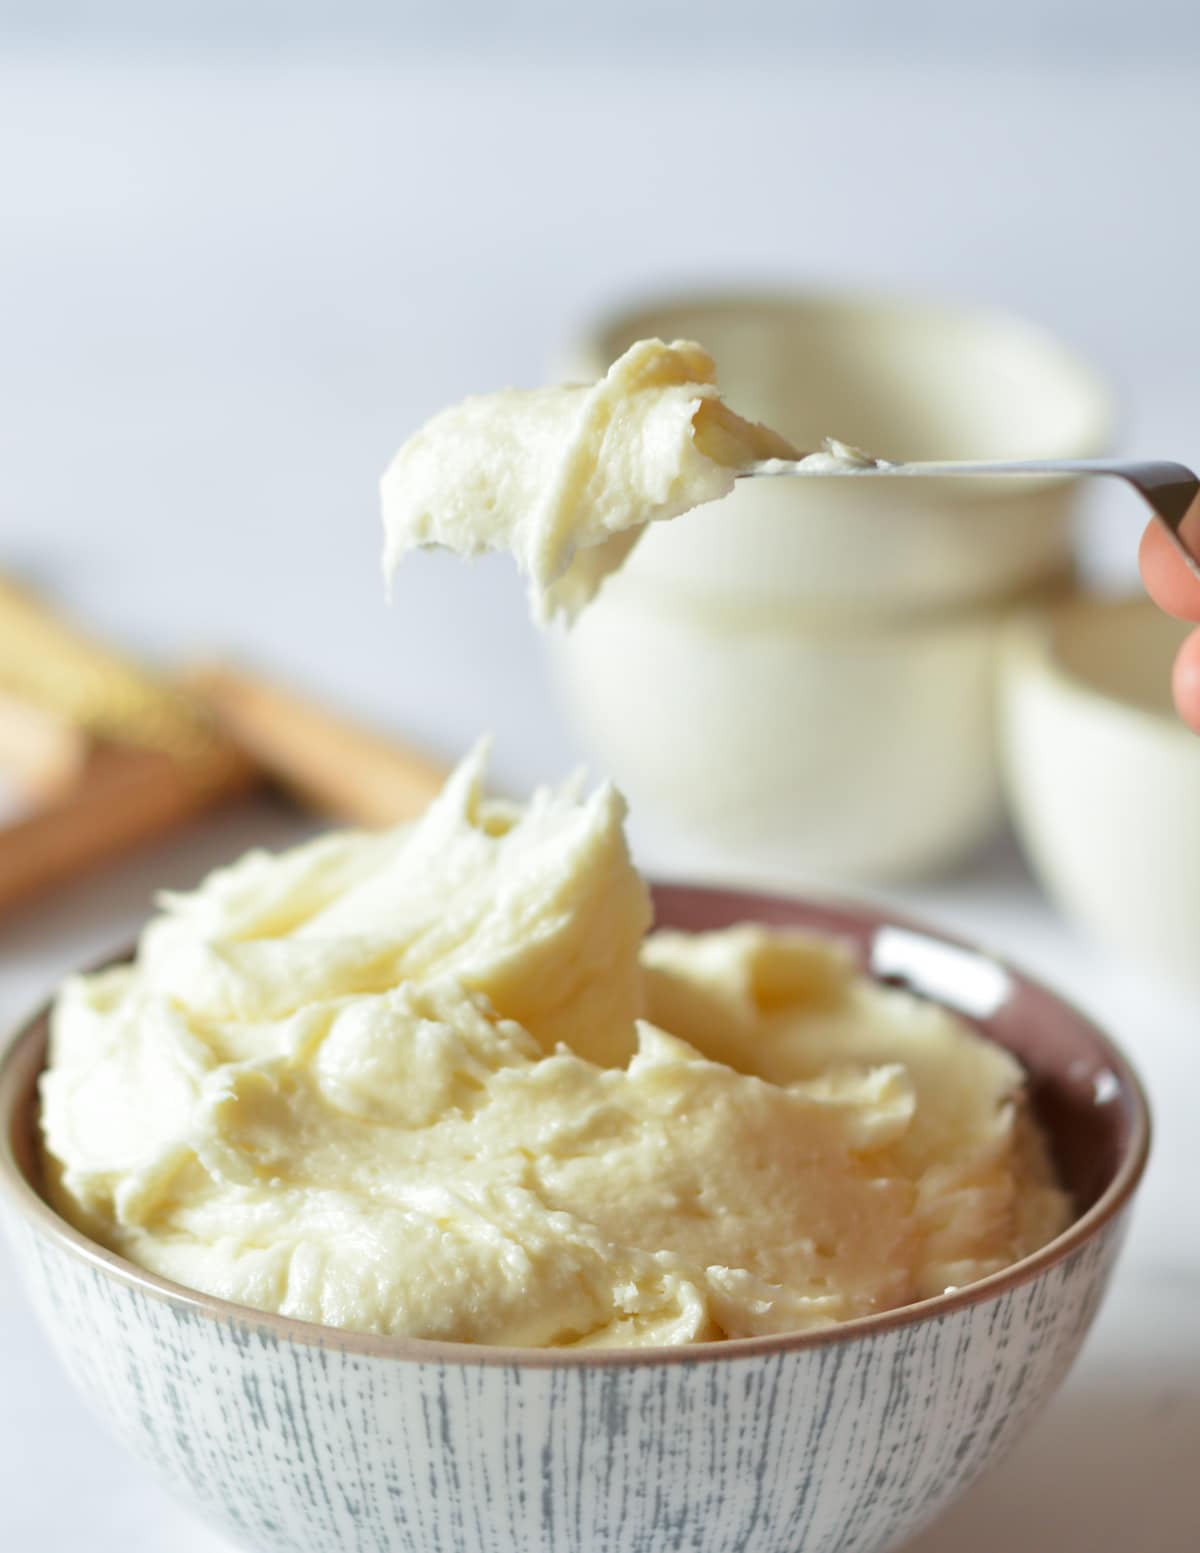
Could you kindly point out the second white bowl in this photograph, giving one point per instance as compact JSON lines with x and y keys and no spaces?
{"x":1104,"y":778}
{"x":794,"y":747}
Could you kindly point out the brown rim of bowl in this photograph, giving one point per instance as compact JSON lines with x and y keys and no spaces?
{"x":27,"y":1049}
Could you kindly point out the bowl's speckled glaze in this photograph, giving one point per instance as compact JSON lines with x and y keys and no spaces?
{"x":300,"y":1438}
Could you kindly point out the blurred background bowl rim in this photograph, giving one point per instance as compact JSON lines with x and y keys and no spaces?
{"x":599,"y":333}
{"x":819,"y":623}
{"x":1033,"y":652}
{"x":18,"y":1093}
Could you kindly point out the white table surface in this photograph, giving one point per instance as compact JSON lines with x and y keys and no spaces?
{"x":228,"y":286}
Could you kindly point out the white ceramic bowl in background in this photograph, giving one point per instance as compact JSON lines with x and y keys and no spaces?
{"x":793,"y":746}
{"x":1104,"y":778}
{"x":904,"y":379}
{"x":798,"y":679}
{"x":295,"y":1437}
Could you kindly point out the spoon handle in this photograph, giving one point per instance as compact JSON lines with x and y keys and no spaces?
{"x":1170,"y":490}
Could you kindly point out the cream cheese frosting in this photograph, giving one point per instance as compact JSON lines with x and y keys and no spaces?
{"x":567,"y":478}
{"x":831,"y":458}
{"x":443,"y":1082}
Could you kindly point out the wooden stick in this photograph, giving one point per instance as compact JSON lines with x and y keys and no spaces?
{"x":340,"y":768}
{"x":43,"y":755}
{"x":123,"y":798}
{"x":50,"y":664}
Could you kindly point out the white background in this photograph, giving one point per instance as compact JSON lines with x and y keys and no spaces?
{"x":1078,"y":29}
{"x":235,"y":271}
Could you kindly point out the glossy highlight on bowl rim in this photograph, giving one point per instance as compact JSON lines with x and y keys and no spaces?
{"x":26,"y":1049}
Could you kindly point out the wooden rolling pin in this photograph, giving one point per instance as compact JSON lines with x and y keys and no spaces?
{"x":122,"y":798}
{"x":111,"y":757}
{"x":107,"y":755}
{"x":43,"y":755}
{"x":336,"y":766}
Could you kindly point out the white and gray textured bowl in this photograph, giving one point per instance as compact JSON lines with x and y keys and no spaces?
{"x":300,"y":1438}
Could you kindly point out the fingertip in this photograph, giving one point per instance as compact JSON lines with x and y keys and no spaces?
{"x":1169,"y":582}
{"x":1186,"y":681}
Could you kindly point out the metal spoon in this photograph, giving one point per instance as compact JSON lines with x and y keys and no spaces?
{"x":1169,"y":490}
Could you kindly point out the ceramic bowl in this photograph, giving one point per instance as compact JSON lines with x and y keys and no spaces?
{"x":799,"y":679}
{"x":1104,"y":778}
{"x":904,"y":379}
{"x":790,"y":745}
{"x":291,"y":1436}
